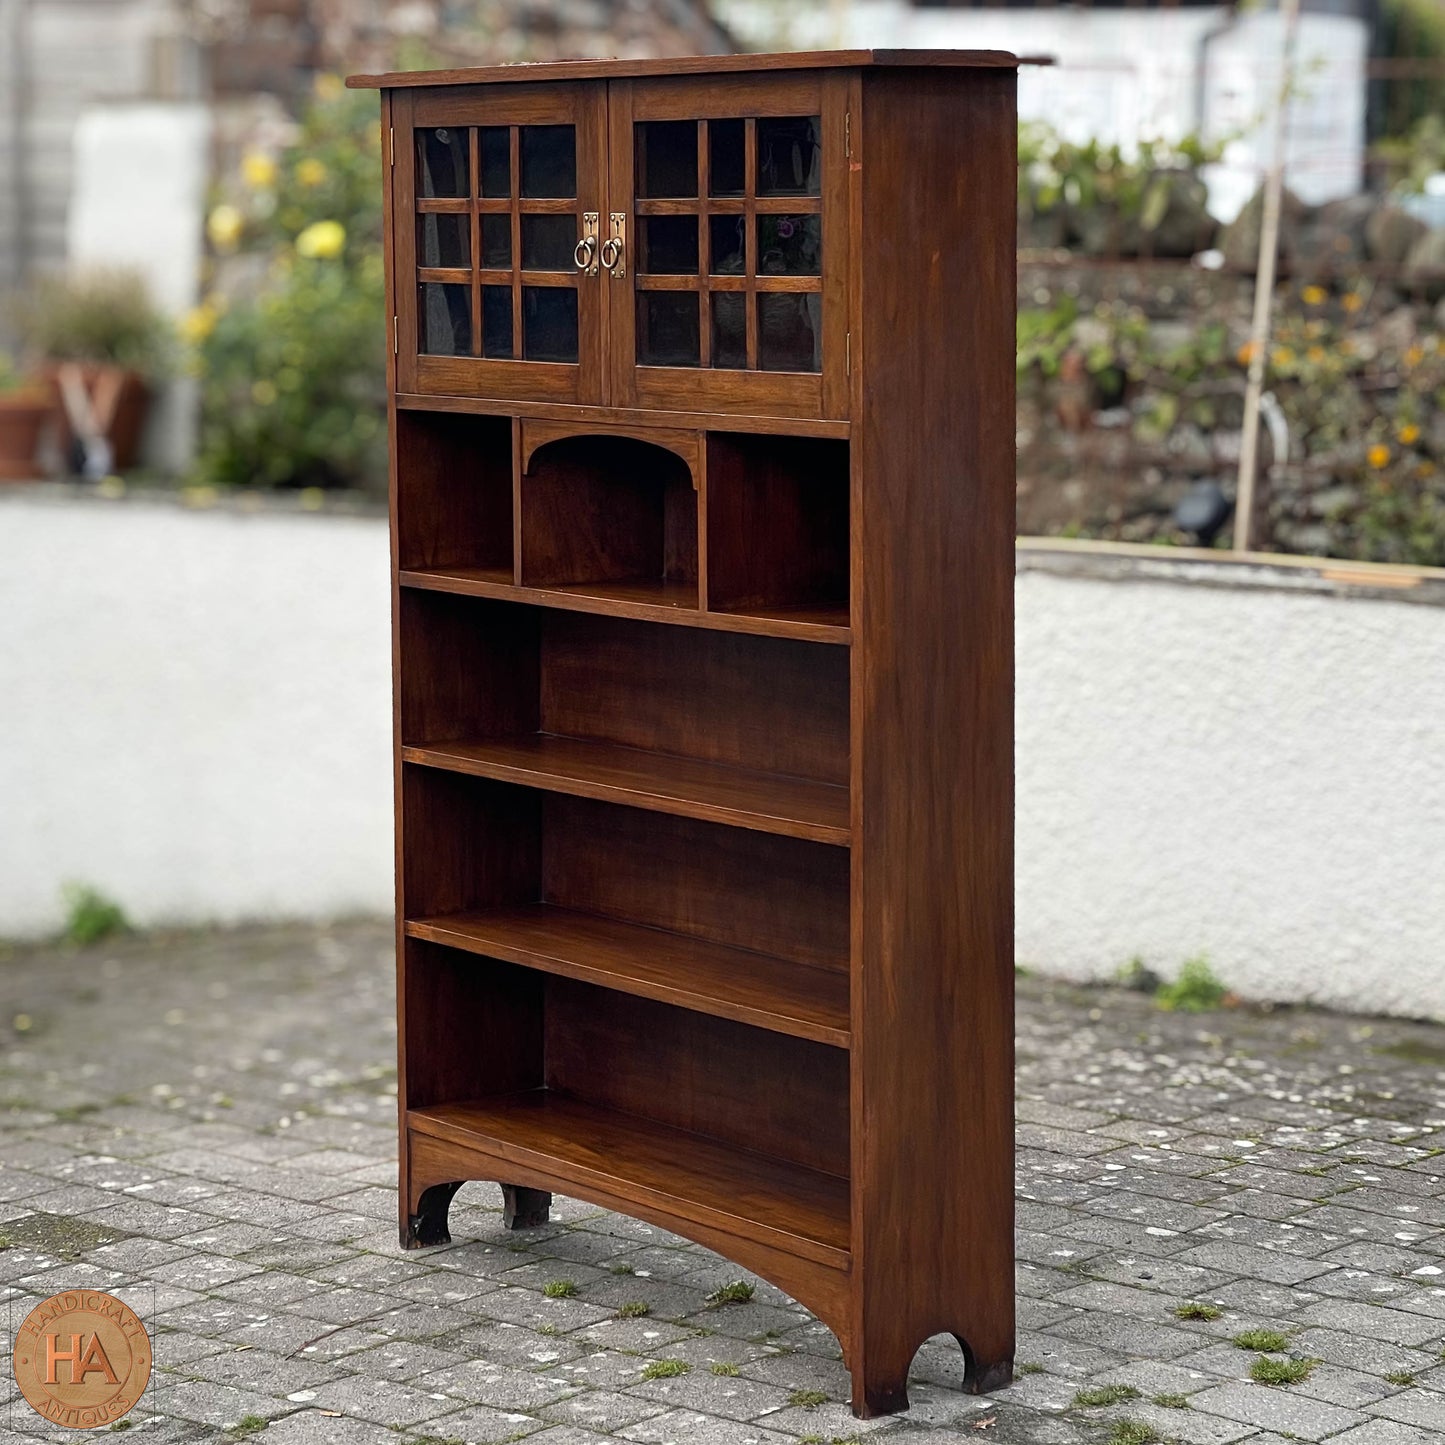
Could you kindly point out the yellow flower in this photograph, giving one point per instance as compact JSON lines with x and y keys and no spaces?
{"x":329,"y":86}
{"x":1315,"y":355}
{"x":1414,"y":356}
{"x":263,"y":392}
{"x":224,"y":226}
{"x":198,"y":323}
{"x":1378,"y":456}
{"x":259,"y":170}
{"x":1409,"y":433}
{"x":1245,"y":354}
{"x":1283,"y":356}
{"x":310,"y":172}
{"x":1314,"y":295}
{"x":1352,"y":301}
{"x":321,"y":240}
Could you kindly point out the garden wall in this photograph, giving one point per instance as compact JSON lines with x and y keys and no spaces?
{"x":1240,"y":761}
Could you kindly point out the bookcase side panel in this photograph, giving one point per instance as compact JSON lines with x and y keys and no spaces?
{"x":933,"y":727}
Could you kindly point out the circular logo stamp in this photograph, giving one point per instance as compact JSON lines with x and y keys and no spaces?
{"x":82,"y":1359}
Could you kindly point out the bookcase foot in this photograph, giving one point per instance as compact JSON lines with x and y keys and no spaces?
{"x":426,"y":1226}
{"x":984,"y":1377}
{"x":524,"y":1208}
{"x":880,"y":1384}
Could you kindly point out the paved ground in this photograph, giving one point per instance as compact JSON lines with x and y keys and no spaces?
{"x":204,"y":1127}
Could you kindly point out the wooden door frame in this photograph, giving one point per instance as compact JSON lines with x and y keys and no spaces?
{"x":582,"y":104}
{"x":767,"y":393}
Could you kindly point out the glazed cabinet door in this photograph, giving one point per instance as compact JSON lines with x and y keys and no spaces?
{"x":497,"y":193}
{"x":728,"y":222}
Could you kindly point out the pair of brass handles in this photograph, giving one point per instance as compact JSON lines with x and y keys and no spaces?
{"x":612,"y":253}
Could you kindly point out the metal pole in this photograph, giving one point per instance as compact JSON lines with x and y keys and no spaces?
{"x":1264,"y":288}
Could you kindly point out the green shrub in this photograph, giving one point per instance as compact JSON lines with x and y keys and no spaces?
{"x":102,"y":315}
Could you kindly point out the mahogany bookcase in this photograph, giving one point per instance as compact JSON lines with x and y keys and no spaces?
{"x":702,"y":500}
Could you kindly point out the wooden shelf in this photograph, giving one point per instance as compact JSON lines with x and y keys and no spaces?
{"x":731,"y":983}
{"x":647,"y":603}
{"x":624,"y":1161}
{"x":659,"y":782}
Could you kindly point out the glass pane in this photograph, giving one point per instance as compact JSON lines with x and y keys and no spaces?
{"x":667,"y":329}
{"x":497,"y":322}
{"x":442,"y":162}
{"x":726,"y":143}
{"x":445,"y":312}
{"x":726,"y":234}
{"x":549,"y":160}
{"x":790,"y":245}
{"x":497,"y":241}
{"x":549,"y":323}
{"x":669,"y":246}
{"x":790,"y":331}
{"x":729,"y":329}
{"x":667,"y":158}
{"x":548,"y":242}
{"x":496,"y":160}
{"x":789,"y":156}
{"x":444,"y":240}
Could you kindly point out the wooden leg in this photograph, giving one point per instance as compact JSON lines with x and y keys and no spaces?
{"x":983,"y":1377}
{"x":427,"y":1223}
{"x":880,"y":1377}
{"x":524,"y":1208}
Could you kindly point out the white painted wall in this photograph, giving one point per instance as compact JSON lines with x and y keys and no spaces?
{"x":1131,"y":73}
{"x":194,"y":712}
{"x":195,"y":715}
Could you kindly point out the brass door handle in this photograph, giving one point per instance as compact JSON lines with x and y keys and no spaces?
{"x":615,"y":246}
{"x":585,"y":253}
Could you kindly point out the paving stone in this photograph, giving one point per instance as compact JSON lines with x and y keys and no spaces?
{"x":1424,"y":1408}
{"x":1373,"y":1322}
{"x":688,"y":1427}
{"x":1273,"y":1408}
{"x":605,"y":1411}
{"x":1387,"y":1432}
{"x":387,"y":1402}
{"x":311,"y":1427}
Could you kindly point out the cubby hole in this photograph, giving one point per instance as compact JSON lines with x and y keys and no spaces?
{"x":454,"y":494}
{"x":748,"y":927}
{"x":777,"y":527}
{"x":610,"y":516}
{"x":725,"y":726}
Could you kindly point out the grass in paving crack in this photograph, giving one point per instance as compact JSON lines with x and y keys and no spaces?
{"x":665,"y":1369}
{"x":1172,"y":1402}
{"x":560,"y":1289}
{"x":1268,"y":1341}
{"x":1028,"y":1367}
{"x":1196,"y":990}
{"x":1267,"y":1371}
{"x":634,"y":1309}
{"x":737,"y":1293}
{"x":1196,"y":1311}
{"x":621,"y":1267}
{"x":90,"y":916}
{"x":723,"y":1367}
{"x":1400,"y":1377}
{"x":1105,"y":1395}
{"x":248,"y":1425}
{"x":807,"y":1399}
{"x":1133,"y":1432}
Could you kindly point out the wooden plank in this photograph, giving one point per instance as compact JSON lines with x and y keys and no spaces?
{"x":731,"y":983}
{"x":626,"y":1158}
{"x":686,"y":65}
{"x":649,"y":603}
{"x":658,"y":782}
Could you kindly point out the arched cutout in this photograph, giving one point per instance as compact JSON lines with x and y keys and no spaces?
{"x":610,"y":515}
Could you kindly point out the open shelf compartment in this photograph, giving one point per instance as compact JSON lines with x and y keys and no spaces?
{"x":730,"y":728}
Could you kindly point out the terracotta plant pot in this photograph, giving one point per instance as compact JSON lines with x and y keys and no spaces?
{"x":23,"y":416}
{"x":119,"y":400}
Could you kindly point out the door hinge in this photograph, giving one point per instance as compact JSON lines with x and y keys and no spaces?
{"x":395,"y":337}
{"x":848,"y":134}
{"x":391,"y":145}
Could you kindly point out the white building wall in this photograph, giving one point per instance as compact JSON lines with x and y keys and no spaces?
{"x":1132,"y":73}
{"x":195,"y":717}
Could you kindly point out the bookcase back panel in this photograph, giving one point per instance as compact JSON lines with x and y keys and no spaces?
{"x":454,"y":490}
{"x":759,"y":1091}
{"x":748,"y":890}
{"x":765,"y":703}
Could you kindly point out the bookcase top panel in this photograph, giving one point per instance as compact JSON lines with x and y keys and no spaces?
{"x":687,"y":65}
